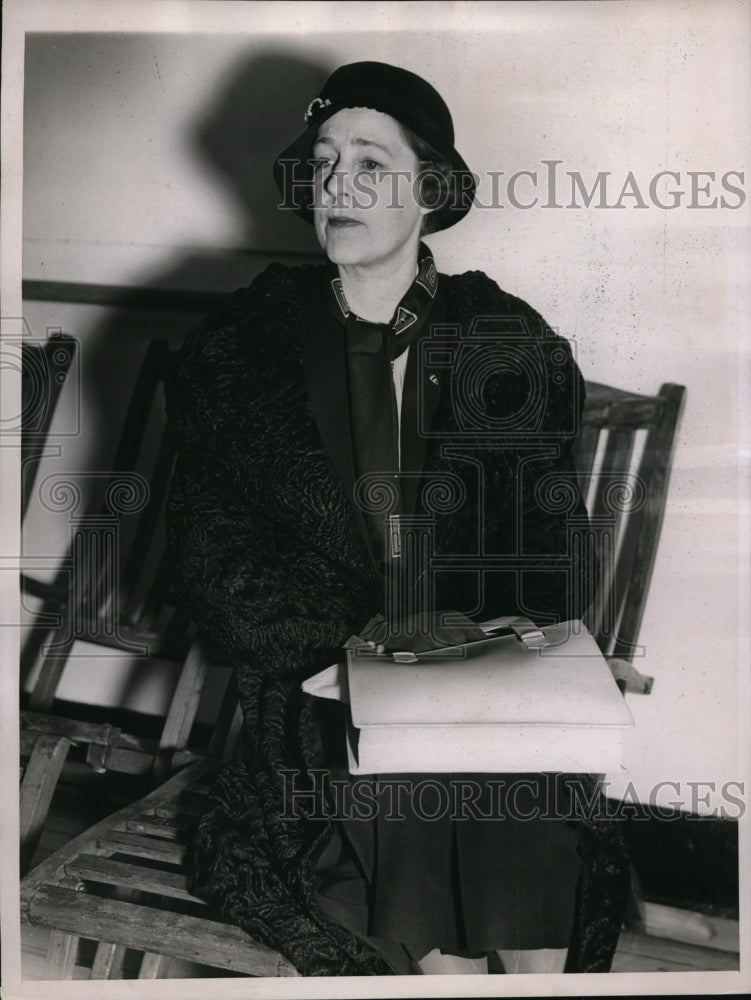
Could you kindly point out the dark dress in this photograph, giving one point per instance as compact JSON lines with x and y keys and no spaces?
{"x":466,"y":886}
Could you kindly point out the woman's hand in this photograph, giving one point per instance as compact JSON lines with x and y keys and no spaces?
{"x":419,"y":633}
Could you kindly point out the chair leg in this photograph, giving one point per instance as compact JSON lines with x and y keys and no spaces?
{"x":47,"y":622}
{"x":108,"y":958}
{"x":153,"y":966}
{"x":108,"y":961}
{"x":634,"y":917}
{"x":45,"y":688}
{"x":61,"y":955}
{"x":37,"y":788}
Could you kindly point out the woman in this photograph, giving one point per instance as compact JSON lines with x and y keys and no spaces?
{"x":320,"y":415}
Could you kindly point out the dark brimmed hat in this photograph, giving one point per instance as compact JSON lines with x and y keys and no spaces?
{"x":404,"y":96}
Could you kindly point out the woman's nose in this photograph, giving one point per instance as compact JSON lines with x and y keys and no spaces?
{"x":338,"y":186}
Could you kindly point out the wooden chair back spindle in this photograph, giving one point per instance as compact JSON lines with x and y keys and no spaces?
{"x":623,"y":457}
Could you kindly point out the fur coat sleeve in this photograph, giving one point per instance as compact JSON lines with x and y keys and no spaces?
{"x":262,"y":589}
{"x":248,"y":574}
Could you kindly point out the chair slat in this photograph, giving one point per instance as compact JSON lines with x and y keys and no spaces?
{"x":152,"y":965}
{"x":586,"y":450}
{"x":607,"y":405}
{"x":141,"y":545}
{"x":182,"y":710}
{"x":613,"y":416}
{"x":75,"y":730}
{"x":166,"y":829}
{"x":37,"y":787}
{"x":655,"y":467}
{"x":62,"y":952}
{"x":228,"y":723}
{"x":191,"y":938}
{"x":188,"y":808}
{"x":600,"y":618}
{"x":108,"y":960}
{"x":92,"y":868}
{"x":150,"y":376}
{"x":616,"y":461}
{"x":140,"y":846}
{"x":43,"y":695}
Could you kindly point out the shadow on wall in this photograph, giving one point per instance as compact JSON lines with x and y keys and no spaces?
{"x":236,"y":137}
{"x":256,"y":115}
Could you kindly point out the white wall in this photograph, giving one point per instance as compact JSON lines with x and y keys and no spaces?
{"x":147,"y":162}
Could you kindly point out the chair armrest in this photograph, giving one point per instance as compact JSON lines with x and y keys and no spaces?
{"x":628,"y":677}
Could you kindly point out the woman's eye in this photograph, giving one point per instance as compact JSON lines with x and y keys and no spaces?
{"x":321,"y":162}
{"x":371,"y":165}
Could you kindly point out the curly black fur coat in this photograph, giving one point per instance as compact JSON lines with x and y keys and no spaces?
{"x":272,"y":560}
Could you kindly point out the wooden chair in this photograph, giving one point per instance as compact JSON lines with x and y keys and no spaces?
{"x":112,"y":590}
{"x":86,"y":890}
{"x":44,"y":371}
{"x":123,"y":884}
{"x":47,"y":739}
{"x":623,"y":456}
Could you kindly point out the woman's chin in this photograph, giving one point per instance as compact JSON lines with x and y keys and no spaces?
{"x":339,"y":253}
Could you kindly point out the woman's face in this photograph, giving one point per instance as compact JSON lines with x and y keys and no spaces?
{"x":365,"y":210}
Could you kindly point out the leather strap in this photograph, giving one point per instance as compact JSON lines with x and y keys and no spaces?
{"x":523,"y":628}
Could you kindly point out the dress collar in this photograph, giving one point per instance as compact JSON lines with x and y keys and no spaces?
{"x":413,"y":307}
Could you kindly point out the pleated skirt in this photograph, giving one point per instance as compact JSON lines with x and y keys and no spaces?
{"x":464,"y":863}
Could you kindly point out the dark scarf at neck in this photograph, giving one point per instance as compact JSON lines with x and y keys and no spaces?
{"x":371,"y":351}
{"x":409,"y":317}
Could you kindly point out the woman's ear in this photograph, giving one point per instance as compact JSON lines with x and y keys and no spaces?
{"x":426,"y":227}
{"x":432,"y":193}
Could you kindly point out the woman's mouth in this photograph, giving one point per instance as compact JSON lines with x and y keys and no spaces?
{"x":343,"y":221}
